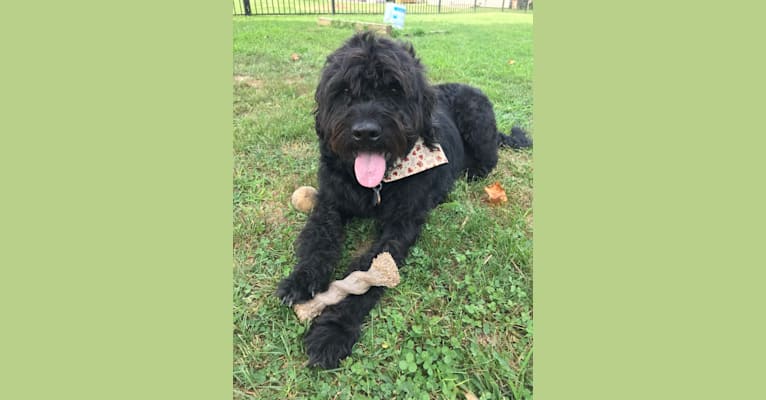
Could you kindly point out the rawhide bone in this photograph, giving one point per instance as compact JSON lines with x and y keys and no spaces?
{"x":382,"y":272}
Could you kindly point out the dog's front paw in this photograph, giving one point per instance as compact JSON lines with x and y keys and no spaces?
{"x":297,"y":289}
{"x":329,"y":342}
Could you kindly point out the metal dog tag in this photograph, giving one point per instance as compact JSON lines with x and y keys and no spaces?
{"x":376,"y":194}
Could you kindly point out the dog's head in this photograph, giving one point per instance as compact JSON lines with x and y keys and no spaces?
{"x":373,"y":103}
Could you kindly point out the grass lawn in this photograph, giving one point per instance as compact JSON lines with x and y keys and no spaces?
{"x":461,"y":320}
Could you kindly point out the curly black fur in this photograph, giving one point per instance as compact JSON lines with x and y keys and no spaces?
{"x":380,"y":85}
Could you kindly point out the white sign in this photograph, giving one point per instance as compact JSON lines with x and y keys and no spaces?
{"x":394,"y":15}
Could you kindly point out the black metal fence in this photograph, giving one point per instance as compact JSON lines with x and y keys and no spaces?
{"x":298,"y":7}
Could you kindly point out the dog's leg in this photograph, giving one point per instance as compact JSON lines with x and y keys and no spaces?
{"x":318,"y":251}
{"x":334,"y":332}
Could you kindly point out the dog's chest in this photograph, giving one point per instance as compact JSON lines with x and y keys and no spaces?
{"x":390,"y":200}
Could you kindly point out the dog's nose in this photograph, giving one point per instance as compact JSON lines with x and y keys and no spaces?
{"x":366,"y":130}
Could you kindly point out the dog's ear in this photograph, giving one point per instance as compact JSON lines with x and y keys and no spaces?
{"x":316,"y":110}
{"x":320,"y":134}
{"x":426,"y":98}
{"x":408,"y":47}
{"x":320,"y":111}
{"x":427,"y":102}
{"x":322,"y":99}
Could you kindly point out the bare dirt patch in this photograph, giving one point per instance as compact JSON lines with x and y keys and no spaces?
{"x":300,"y":149}
{"x":249,"y":81}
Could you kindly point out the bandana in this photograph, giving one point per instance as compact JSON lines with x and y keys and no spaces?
{"x":419,"y":159}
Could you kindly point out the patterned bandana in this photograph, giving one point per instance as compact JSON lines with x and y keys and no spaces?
{"x":418,"y":160}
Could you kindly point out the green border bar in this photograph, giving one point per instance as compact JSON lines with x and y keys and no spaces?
{"x":649,"y":200}
{"x":116,"y":211}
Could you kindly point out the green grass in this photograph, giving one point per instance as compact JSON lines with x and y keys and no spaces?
{"x":461,"y":320}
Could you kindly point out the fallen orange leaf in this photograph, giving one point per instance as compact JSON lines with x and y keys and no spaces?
{"x":295,"y":57}
{"x":495,"y":194}
{"x":511,"y":62}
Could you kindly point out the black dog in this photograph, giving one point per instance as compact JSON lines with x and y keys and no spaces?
{"x":391,"y":148}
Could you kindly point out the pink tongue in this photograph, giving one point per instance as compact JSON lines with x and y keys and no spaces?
{"x":369,"y":169}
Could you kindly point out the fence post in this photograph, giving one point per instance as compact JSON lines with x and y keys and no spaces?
{"x":502,"y":5}
{"x":333,"y":7}
{"x":246,"y":3}
{"x":474,"y":5}
{"x":439,"y":7}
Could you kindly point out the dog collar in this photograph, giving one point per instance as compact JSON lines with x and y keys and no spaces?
{"x":419,"y":159}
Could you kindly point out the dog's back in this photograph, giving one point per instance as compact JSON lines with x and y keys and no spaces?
{"x":473,"y":115}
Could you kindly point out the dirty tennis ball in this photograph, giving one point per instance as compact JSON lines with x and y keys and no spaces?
{"x":304,"y":198}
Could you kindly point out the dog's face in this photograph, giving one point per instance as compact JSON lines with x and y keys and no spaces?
{"x":373,"y":103}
